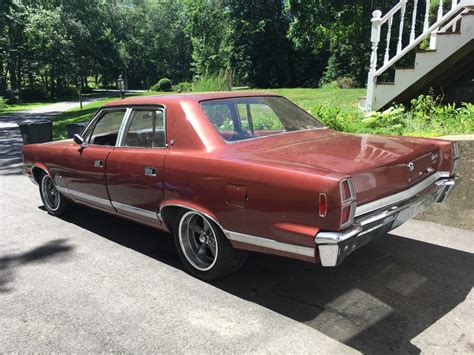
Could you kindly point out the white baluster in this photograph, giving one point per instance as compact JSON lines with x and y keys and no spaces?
{"x":375,"y":39}
{"x":440,"y":10}
{"x":402,"y":20}
{"x":434,"y":34}
{"x":426,"y":23}
{"x":389,"y":33}
{"x":453,"y":5}
{"x":413,"y":21}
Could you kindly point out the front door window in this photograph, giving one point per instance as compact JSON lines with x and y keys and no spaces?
{"x":106,"y":129}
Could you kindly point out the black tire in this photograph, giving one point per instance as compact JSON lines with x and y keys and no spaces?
{"x":53,"y":201}
{"x":217,"y":261}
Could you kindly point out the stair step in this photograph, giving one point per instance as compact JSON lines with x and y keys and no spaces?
{"x":419,"y":50}
{"x":386,"y":83}
{"x":449,"y":33}
{"x":470,"y":13}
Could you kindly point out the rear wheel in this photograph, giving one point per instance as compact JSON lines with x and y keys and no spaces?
{"x":203,"y":247}
{"x":52,"y":199}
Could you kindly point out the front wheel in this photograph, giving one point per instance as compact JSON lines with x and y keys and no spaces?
{"x":203,"y":247}
{"x":52,"y":199}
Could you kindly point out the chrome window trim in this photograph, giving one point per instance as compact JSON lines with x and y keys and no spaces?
{"x":126,"y":117}
{"x":127,"y":122}
{"x":400,"y":196}
{"x":98,"y":115}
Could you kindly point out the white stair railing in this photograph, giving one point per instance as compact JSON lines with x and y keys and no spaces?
{"x":443,"y":22}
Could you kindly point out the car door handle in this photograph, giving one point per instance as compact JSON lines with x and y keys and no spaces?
{"x":98,"y":163}
{"x":150,"y":171}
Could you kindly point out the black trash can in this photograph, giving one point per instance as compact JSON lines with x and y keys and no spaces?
{"x":36,"y":131}
{"x":75,"y":128}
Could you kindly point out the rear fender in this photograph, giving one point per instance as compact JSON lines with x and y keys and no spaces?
{"x":187,"y":205}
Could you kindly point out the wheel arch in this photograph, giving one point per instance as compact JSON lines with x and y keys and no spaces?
{"x":37,"y":169}
{"x":169,"y":212}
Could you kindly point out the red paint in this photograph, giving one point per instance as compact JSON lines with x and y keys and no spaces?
{"x":267,"y":187}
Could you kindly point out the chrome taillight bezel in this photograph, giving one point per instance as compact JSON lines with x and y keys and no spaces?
{"x":351,"y":201}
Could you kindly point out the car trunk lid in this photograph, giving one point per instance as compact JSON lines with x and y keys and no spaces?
{"x":379,"y":165}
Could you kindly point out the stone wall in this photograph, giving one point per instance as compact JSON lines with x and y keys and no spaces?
{"x":458,"y":210}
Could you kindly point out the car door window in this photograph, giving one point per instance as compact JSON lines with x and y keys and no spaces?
{"x":105,"y":131}
{"x":146,"y":129}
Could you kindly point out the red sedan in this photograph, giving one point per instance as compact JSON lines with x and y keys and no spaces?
{"x":232,"y":172}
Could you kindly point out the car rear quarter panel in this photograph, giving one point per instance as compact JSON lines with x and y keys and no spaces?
{"x":259,"y":199}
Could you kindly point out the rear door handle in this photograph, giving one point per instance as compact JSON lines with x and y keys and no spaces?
{"x":150,"y":171}
{"x":98,"y":163}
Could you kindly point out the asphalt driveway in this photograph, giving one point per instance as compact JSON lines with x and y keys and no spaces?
{"x":93,"y":282}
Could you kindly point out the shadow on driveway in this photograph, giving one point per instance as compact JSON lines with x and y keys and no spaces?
{"x":41,"y":254}
{"x":383,"y":295}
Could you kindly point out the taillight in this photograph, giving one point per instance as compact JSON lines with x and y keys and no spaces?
{"x":323,"y":205}
{"x":348,"y":202}
{"x":346,"y":215}
{"x":345,"y":190}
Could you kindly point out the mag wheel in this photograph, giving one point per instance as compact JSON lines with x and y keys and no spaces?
{"x":203,"y":248}
{"x":52,"y":199}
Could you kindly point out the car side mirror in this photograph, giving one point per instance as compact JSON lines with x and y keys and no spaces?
{"x":78,"y":139}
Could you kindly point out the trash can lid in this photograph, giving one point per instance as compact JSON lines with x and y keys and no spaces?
{"x":30,"y":122}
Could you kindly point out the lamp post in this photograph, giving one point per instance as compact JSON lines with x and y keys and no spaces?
{"x":121,"y":86}
{"x":79,"y":89}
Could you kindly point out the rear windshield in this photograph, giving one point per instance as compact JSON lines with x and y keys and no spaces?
{"x":242,"y":118}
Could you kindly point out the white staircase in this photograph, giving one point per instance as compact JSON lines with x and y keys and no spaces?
{"x":450,"y":53}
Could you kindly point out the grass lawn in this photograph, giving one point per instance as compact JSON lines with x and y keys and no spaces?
{"x":343,"y":99}
{"x":337,"y":108}
{"x":24,"y":106}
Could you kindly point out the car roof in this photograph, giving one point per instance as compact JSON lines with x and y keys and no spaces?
{"x":187,"y":97}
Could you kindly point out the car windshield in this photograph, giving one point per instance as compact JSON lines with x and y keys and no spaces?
{"x":242,"y":118}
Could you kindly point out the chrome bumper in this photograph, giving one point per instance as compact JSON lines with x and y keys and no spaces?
{"x":377,"y":218}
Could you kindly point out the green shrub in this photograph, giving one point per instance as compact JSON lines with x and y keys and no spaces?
{"x":346,"y":82}
{"x":210,"y":82}
{"x":33,"y":93}
{"x":183,"y":87}
{"x":164,"y":84}
{"x":67,"y":92}
{"x":426,"y":116}
{"x":3,"y":103}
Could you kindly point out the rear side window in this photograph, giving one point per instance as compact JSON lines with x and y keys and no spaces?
{"x":146,"y":129}
{"x":243,"y":118}
{"x":105,"y":131}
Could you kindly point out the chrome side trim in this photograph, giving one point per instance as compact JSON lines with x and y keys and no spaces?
{"x":87,"y":197}
{"x":250,"y":239}
{"x":135,"y":210}
{"x":400,"y":196}
{"x":270,"y":243}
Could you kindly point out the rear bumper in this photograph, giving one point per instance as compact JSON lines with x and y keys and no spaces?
{"x":378,"y":217}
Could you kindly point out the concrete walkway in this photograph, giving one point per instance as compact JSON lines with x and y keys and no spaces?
{"x":10,"y":138}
